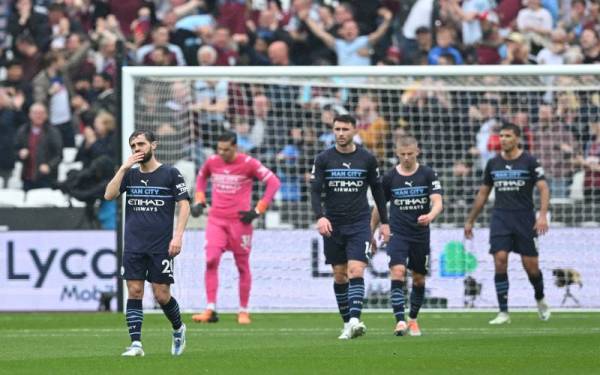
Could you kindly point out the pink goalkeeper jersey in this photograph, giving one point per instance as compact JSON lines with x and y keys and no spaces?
{"x":232,"y":184}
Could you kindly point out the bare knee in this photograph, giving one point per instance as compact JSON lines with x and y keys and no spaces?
{"x":356,"y":269}
{"x":340,"y":274}
{"x":135,"y":289}
{"x":162,"y":293}
{"x":398,"y":272}
{"x":501,"y":262}
{"x":418,"y":279}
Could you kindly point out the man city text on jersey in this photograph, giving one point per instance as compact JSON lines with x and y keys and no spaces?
{"x":346,"y":180}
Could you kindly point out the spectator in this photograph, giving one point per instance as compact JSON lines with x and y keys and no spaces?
{"x":420,"y":15}
{"x":591,"y":165}
{"x":11,"y":116}
{"x":98,"y":140}
{"x":535,"y":23}
{"x":352,"y":48}
{"x":590,"y":46}
{"x":373,"y":130}
{"x":517,"y":51}
{"x":15,"y":81}
{"x":26,"y":21}
{"x":104,"y":94}
{"x":556,"y":149}
{"x":554,"y":53}
{"x":29,"y":55}
{"x":444,"y":40}
{"x":487,"y":140}
{"x":226,"y":53}
{"x":419,"y":54}
{"x":160,"y":38}
{"x":39,"y":147}
{"x":51,"y":88}
{"x":279,"y":54}
{"x":574,"y":25}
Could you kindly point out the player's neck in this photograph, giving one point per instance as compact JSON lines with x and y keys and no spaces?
{"x":351,"y":147}
{"x":512,"y":154}
{"x":407,"y":172}
{"x":149,"y":166}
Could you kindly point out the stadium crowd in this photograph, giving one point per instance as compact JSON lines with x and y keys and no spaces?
{"x":58,"y":65}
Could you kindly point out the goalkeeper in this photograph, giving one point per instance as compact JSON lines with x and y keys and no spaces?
{"x":229,"y":225}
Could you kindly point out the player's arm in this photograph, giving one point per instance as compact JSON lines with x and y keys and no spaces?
{"x":480,"y":200}
{"x":541,"y":223}
{"x":317,"y":178}
{"x":113,"y":189}
{"x":382,"y":29}
{"x":437,"y":206}
{"x":435,"y":197}
{"x":272,"y":184}
{"x":375,"y":182}
{"x":200,"y":196}
{"x":182,"y":219}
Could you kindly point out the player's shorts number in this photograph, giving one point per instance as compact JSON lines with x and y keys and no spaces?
{"x":168,"y":266}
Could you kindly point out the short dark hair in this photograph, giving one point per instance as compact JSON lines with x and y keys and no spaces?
{"x":345,"y":118}
{"x":510,"y":126}
{"x":230,"y":137}
{"x":148,"y":134}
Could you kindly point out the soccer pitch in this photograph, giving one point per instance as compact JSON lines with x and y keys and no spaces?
{"x":453,"y":343}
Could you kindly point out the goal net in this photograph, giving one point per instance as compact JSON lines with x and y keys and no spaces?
{"x":283,"y":117}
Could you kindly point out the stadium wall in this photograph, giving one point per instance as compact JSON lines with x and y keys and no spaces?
{"x":57,"y":271}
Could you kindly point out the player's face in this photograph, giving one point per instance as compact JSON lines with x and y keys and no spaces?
{"x":508,"y":140}
{"x":141,"y":144}
{"x":226,"y":151}
{"x":344,"y":133}
{"x":407,"y":155}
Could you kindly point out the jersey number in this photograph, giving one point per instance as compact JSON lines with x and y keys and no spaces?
{"x":168,"y":266}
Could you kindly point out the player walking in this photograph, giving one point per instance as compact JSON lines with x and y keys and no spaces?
{"x":513,"y":226}
{"x":229,"y":225}
{"x":415,"y":196}
{"x":150,"y":246}
{"x":343,"y":174}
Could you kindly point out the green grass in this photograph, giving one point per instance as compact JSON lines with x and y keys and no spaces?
{"x":453,"y":343}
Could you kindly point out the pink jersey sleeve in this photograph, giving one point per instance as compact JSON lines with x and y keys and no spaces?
{"x":266,"y":176}
{"x":203,"y":175}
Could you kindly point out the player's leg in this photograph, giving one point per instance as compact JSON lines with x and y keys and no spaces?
{"x":216,"y":241}
{"x":419,"y":265}
{"x":134,"y":271}
{"x":240,"y":240}
{"x":502,"y":285}
{"x":161,"y":275}
{"x":526,"y":245}
{"x":397,"y":251}
{"x":358,"y":248}
{"x":335,"y":255}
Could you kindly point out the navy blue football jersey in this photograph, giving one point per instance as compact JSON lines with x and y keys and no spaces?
{"x":345,"y":179}
{"x":150,"y":208}
{"x":409,"y":199}
{"x":513,"y":181}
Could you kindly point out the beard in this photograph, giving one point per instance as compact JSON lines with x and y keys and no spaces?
{"x":147,"y":156}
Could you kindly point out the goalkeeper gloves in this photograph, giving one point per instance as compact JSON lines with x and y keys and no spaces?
{"x":248,"y":216}
{"x":197,"y":209}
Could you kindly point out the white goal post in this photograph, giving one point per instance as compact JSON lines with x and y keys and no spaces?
{"x":281,"y":115}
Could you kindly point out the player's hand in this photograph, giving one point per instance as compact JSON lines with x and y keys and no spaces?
{"x":541,"y":225}
{"x":384,"y":232}
{"x":372,"y":248}
{"x":248,"y":216}
{"x":197,"y":209}
{"x":424,"y":220}
{"x":175,"y":246}
{"x":324,"y":227}
{"x":133,"y":159}
{"x":468,"y":230}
